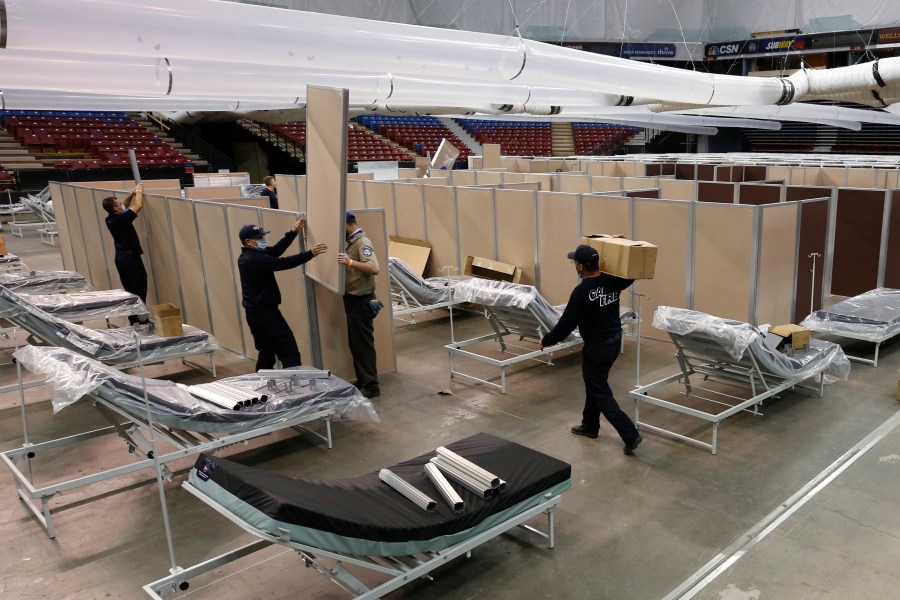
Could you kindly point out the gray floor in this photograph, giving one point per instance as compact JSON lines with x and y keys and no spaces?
{"x":631,"y":528}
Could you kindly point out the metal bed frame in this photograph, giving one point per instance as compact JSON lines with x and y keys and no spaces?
{"x":409,"y":306}
{"x":860,"y":359}
{"x":703,"y":356}
{"x":400,"y":569}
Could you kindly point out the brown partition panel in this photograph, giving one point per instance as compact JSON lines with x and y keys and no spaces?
{"x":749,"y":193}
{"x":191,"y":276}
{"x":797,"y":192}
{"x":159,"y":252}
{"x":892,"y":266}
{"x":558,"y":235}
{"x":292,"y":282}
{"x":476,"y":224}
{"x":221,"y":286}
{"x":409,"y":204}
{"x":723,"y":259}
{"x":517,"y":231}
{"x":706,"y":172}
{"x":755,"y":173}
{"x":440,"y":221}
{"x":649,"y":193}
{"x":857,"y":241}
{"x":813,"y":239}
{"x":709,"y":191}
{"x":777,"y":266}
{"x":380,"y":194}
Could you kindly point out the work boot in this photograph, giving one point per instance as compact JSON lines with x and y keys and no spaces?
{"x":371,"y":392}
{"x":580,"y":430}
{"x":631,"y":446}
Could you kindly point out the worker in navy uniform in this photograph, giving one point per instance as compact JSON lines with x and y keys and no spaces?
{"x":120,"y":222}
{"x":257,"y":265}
{"x":594,"y":308}
{"x":270,"y":191}
{"x":361,"y":267}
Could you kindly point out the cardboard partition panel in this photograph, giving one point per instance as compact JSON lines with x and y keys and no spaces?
{"x":476,"y":224}
{"x":236,"y":217}
{"x":857,"y":241}
{"x":252,"y":201}
{"x":488,"y":177}
{"x":218,"y":179}
{"x":606,"y":214}
{"x":757,"y":193}
{"x":490,"y":158}
{"x":332,"y":320}
{"x":360,"y":177}
{"x":326,"y":178}
{"x":638,"y":183}
{"x":723,"y":259}
{"x":92,"y":260}
{"x":576,"y":184}
{"x":813,"y":239}
{"x":606,"y":184}
{"x":356,"y":194}
{"x":674,"y":189}
{"x":462,"y":178}
{"x":62,"y":222}
{"x":777,"y":263}
{"x":529,"y":186}
{"x":837,"y":176}
{"x":517,"y":231}
{"x":109,"y":245}
{"x":70,"y":236}
{"x":212,"y":193}
{"x":441,"y":230}
{"x":380,"y":194}
{"x":892,"y":264}
{"x":195,"y":305}
{"x":666,"y":223}
{"x":159,"y":252}
{"x":291,"y":192}
{"x":292,"y":282}
{"x":778,"y":172}
{"x":558,"y":234}
{"x":409,"y":207}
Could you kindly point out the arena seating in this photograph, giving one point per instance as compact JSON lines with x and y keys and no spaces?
{"x":420,"y":134}
{"x":516,"y":138}
{"x":88,"y":140}
{"x":808,"y":137}
{"x":600,"y":138}
{"x":361,"y":144}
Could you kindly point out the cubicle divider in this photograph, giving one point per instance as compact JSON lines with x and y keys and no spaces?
{"x":380,"y":194}
{"x":517,"y":234}
{"x":813,"y":239}
{"x":195,"y":305}
{"x":722,"y":278}
{"x":441,"y":229}
{"x":892,"y":252}
{"x":216,"y":193}
{"x":62,"y":221}
{"x":291,"y":192}
{"x":409,"y":207}
{"x":760,"y":193}
{"x":559,"y":226}
{"x":859,"y":238}
{"x":476,"y":223}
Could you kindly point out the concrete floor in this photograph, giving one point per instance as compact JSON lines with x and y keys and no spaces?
{"x":631,"y":528}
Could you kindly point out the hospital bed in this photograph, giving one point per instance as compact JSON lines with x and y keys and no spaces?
{"x":10,"y":263}
{"x":736,"y":354}
{"x":187,"y":420}
{"x":40,"y":206}
{"x":361,"y":524}
{"x":36,"y":282}
{"x":414,"y":294}
{"x":87,"y":306}
{"x":514,"y":311}
{"x":871,"y":317}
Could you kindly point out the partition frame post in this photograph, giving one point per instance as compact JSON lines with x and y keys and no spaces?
{"x":828,"y":263}
{"x":537,"y":237}
{"x":692,"y":255}
{"x":175,"y":256}
{"x":755,"y":264}
{"x":885,"y":234}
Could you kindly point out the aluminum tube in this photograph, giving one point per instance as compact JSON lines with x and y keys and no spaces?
{"x":17,"y":99}
{"x":302,"y":373}
{"x":467,"y":465}
{"x":462,"y":478}
{"x":135,"y":171}
{"x":407,"y":490}
{"x":444,"y":487}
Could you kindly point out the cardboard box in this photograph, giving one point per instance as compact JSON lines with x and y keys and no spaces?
{"x":799,"y":336}
{"x":3,"y":250}
{"x":413,"y":252}
{"x":167,"y":319}
{"x":623,"y":257}
{"x":492,"y":269}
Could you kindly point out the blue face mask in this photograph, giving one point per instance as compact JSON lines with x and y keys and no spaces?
{"x":262,"y":244}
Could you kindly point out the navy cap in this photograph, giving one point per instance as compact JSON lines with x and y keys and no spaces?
{"x":351,"y":218}
{"x":585,"y":255}
{"x":251,"y":232}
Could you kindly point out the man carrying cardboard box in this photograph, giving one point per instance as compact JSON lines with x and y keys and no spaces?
{"x":594,"y":308}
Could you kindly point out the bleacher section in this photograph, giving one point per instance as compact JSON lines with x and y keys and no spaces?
{"x":361,"y":144}
{"x":88,"y":140}
{"x":516,"y":138}
{"x":807,"y":137}
{"x":600,"y":138}
{"x":422,"y":135}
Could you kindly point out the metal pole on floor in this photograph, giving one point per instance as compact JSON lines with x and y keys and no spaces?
{"x":812,"y":291}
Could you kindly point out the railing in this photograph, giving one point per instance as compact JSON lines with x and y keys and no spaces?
{"x":282,"y":142}
{"x":215,"y":157}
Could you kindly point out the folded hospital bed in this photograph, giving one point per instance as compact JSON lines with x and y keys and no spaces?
{"x":43,"y":282}
{"x":10,"y":263}
{"x":86,"y":306}
{"x":513,"y":310}
{"x":125,"y":347}
{"x":187,"y":420}
{"x":737,"y":354}
{"x":39,"y":207}
{"x":414,"y":294}
{"x":870,"y":317}
{"x":338,"y":527}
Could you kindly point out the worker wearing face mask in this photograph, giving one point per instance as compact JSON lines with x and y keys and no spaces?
{"x":257,"y":265}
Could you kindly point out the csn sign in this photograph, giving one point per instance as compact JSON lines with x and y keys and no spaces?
{"x":729,"y":49}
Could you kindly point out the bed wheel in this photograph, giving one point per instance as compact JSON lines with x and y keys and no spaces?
{"x":183,"y":586}
{"x":150,"y":455}
{"x":30,"y":455}
{"x":307,"y":562}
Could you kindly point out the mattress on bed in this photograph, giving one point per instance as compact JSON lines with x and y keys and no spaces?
{"x":739,"y":340}
{"x":43,"y":281}
{"x":9,"y":259}
{"x":125,"y":345}
{"x":425,"y":291}
{"x":873,"y":316}
{"x":72,"y":376}
{"x":365,"y":516}
{"x":85,"y":306}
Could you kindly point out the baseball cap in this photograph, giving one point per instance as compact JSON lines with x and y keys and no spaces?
{"x":584,"y":254}
{"x":351,"y":218}
{"x":251,"y":232}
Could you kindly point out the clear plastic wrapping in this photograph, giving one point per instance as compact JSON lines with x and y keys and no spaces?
{"x":495,"y":293}
{"x":86,"y":306}
{"x":873,"y":316}
{"x":119,"y":346}
{"x":425,"y":291}
{"x":9,"y":259}
{"x":44,"y":281}
{"x":72,"y":376}
{"x":737,"y":337}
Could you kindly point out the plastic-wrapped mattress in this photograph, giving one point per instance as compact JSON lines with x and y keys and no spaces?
{"x":72,"y":376}
{"x":873,"y":316}
{"x":739,"y":340}
{"x":367,"y":517}
{"x":43,"y":281}
{"x":115,"y":346}
{"x":85,"y":306}
{"x":425,"y":291}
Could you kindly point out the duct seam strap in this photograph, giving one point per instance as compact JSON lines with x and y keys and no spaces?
{"x":877,"y":75}
{"x":169,"y":68}
{"x":4,"y":24}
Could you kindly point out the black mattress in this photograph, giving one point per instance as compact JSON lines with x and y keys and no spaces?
{"x":366,"y":508}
